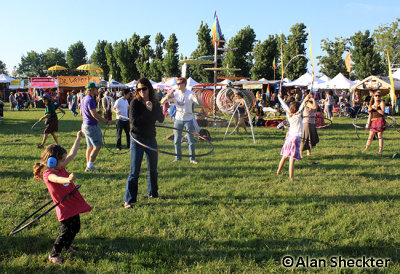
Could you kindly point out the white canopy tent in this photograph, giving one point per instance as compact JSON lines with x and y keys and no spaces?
{"x":115,"y":84}
{"x":396,"y":74}
{"x":305,"y":81}
{"x":190,"y":83}
{"x":325,"y":78}
{"x":338,"y":82}
{"x":132,"y":84}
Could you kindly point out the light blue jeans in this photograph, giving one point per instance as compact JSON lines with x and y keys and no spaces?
{"x":188,"y":125}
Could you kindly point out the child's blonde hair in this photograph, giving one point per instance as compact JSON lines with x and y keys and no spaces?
{"x":53,"y":150}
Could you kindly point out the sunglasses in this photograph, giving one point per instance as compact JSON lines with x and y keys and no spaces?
{"x":377,"y":95}
{"x":142,"y":89}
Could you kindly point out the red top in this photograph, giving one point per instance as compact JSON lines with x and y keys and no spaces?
{"x":71,"y":206}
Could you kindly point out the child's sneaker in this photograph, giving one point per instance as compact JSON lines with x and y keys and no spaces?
{"x":54,"y":260}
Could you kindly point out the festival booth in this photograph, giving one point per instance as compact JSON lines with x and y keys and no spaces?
{"x":116,"y":85}
{"x":306,"y":80}
{"x":41,"y":83}
{"x":132,"y":84}
{"x":376,"y":82}
{"x":324,"y":78}
{"x":69,"y":83}
{"x":4,"y":86}
{"x":338,"y":82}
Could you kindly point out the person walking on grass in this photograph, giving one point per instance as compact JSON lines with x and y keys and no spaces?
{"x":310,"y":135}
{"x":183,"y":100}
{"x":291,"y":147}
{"x":107,"y":105}
{"x":90,"y":127}
{"x":144,"y":110}
{"x":376,"y":121}
{"x":121,"y":107}
{"x":60,"y":183}
{"x":52,"y":120}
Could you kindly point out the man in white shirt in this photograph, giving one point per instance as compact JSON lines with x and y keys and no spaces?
{"x":121,"y":107}
{"x":183,"y":100}
{"x":107,"y":103}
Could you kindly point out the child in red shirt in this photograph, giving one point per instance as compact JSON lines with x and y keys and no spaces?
{"x":59,"y":183}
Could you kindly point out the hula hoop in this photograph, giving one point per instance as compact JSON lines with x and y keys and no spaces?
{"x":43,"y":127}
{"x":226,"y":49}
{"x":298,"y":55}
{"x":197,"y":62}
{"x":107,"y":147}
{"x":387,"y":125}
{"x":175,"y":154}
{"x":209,"y":57}
{"x":286,"y":122}
{"x":18,"y":228}
{"x":210,"y":116}
{"x":224,"y":69}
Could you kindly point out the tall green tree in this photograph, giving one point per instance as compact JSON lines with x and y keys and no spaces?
{"x":204,"y":47}
{"x":76,"y":56}
{"x":133,"y":46}
{"x":242,"y":57}
{"x":54,"y":56}
{"x":264,"y":55}
{"x":333,"y":63}
{"x":171,"y":59}
{"x":124,"y":59}
{"x":115,"y":71}
{"x":156,"y":70}
{"x":367,"y":61}
{"x":31,"y":65}
{"x":387,"y":38}
{"x":99,"y":57}
{"x":145,"y":55}
{"x":3,"y":68}
{"x":295,"y":45}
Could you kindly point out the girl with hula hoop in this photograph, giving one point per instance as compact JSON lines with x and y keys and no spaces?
{"x":52,"y":120}
{"x":144,"y":110}
{"x":60,"y":183}
{"x":376,"y":122}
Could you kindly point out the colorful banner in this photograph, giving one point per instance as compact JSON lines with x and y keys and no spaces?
{"x":392,"y":93}
{"x":15,"y":83}
{"x":43,"y":82}
{"x":76,"y":81}
{"x":216,"y":30}
{"x":347,"y":61}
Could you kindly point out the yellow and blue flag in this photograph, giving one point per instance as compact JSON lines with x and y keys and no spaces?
{"x":216,"y":30}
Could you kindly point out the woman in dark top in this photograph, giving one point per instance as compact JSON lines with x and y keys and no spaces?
{"x":144,"y":110}
{"x":376,"y":121}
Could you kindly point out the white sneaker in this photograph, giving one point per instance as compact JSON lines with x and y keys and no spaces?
{"x":194,"y":162}
{"x":91,"y":169}
{"x":176,"y":160}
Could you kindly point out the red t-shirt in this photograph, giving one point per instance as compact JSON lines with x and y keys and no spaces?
{"x":71,"y":206}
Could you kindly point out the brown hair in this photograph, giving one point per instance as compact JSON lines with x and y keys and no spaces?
{"x":294,"y":107}
{"x":53,"y":150}
{"x":182,"y":79}
{"x":145,"y":82}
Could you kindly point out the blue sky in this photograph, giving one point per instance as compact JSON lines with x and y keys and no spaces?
{"x":39,"y":25}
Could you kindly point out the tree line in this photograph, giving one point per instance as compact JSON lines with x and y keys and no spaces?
{"x":135,"y":57}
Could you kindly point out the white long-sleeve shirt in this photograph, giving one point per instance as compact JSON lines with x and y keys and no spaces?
{"x":296,"y":120}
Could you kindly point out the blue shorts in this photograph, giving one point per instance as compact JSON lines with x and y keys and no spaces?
{"x":93,"y":134}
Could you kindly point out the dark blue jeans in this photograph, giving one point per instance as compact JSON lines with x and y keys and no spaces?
{"x":137,"y":152}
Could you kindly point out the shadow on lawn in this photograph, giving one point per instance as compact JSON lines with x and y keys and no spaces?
{"x":155,"y":253}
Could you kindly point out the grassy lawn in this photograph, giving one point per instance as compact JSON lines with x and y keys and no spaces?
{"x":230,"y":213}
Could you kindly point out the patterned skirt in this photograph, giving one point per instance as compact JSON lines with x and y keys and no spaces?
{"x":378,"y":124}
{"x":291,"y":147}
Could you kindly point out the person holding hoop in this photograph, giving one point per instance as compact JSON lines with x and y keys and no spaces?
{"x":90,"y":127}
{"x":376,"y":123}
{"x":121,"y":107}
{"x":52,"y":120}
{"x":240,"y":114}
{"x":183,"y":100}
{"x":310,"y":136}
{"x":144,"y":111}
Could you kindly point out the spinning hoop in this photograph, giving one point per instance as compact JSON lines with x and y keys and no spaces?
{"x":107,"y":147}
{"x":174,"y":154}
{"x":18,"y":228}
{"x":224,"y":69}
{"x":387,"y":125}
{"x":197,"y":62}
{"x":43,"y":127}
{"x":286,"y":122}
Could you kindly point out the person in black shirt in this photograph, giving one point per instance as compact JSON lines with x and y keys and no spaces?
{"x":144,"y":110}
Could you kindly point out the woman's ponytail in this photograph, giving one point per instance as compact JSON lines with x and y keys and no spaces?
{"x":37,"y":171}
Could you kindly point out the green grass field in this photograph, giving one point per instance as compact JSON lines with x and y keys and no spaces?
{"x":230,"y":213}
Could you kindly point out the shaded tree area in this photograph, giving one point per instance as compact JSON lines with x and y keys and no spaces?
{"x":333,"y":63}
{"x":264,"y":55}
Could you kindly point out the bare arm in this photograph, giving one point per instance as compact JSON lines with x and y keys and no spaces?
{"x":98,"y":117}
{"x":61,"y":180}
{"x":44,"y":117}
{"x":166,"y":97}
{"x":74,"y":149}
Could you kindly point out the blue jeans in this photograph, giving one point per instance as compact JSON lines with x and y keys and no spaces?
{"x":178,"y":138}
{"x":73,"y":109}
{"x":137,"y":152}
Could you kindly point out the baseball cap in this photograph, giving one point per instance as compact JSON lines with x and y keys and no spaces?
{"x":46,"y":96}
{"x":91,"y":85}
